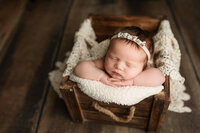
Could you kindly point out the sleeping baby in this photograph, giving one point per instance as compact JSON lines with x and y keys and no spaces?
{"x":125,"y":62}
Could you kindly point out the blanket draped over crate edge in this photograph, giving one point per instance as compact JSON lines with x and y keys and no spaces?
{"x":168,"y":61}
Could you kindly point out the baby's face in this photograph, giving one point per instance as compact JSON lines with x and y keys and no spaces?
{"x":124,"y":61}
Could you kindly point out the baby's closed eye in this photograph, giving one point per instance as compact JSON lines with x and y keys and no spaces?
{"x":113,"y":58}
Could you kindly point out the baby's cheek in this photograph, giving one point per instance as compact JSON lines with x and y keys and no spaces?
{"x":131,"y":73}
{"x":110,"y":64}
{"x":127,"y":73}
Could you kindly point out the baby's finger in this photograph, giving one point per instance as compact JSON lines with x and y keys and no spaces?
{"x":111,"y":79}
{"x":121,"y":84}
{"x":110,"y":84}
{"x":114,"y":80}
{"x":113,"y":85}
{"x":118,"y":83}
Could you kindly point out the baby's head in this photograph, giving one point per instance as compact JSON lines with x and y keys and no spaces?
{"x":128,"y":53}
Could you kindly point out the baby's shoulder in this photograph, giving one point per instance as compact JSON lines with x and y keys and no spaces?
{"x":99,"y":63}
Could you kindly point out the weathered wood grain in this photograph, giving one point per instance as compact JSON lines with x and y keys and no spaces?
{"x":104,"y":27}
{"x":72,"y":102}
{"x":11,"y":12}
{"x":139,"y":122}
{"x":24,"y":72}
{"x":188,"y":24}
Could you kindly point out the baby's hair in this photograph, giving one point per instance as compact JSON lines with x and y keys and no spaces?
{"x":143,"y":35}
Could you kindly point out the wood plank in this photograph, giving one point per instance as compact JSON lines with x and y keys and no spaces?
{"x":139,"y":122}
{"x":104,"y":27}
{"x":120,"y":111}
{"x":173,"y":123}
{"x":25,"y":69}
{"x":72,"y":102}
{"x":11,"y":12}
{"x":188,"y":23}
{"x":158,"y":108}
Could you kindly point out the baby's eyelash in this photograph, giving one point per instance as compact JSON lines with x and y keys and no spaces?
{"x":114,"y":58}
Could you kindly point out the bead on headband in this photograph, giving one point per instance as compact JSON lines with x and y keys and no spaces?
{"x":134,"y":39}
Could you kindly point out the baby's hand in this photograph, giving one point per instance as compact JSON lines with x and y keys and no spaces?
{"x":120,"y":82}
{"x":105,"y":80}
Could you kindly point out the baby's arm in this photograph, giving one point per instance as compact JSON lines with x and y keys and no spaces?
{"x":92,"y":70}
{"x":149,"y":77}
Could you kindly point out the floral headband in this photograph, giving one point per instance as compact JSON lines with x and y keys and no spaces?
{"x":134,"y":39}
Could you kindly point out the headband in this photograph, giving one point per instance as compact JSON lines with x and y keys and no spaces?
{"x":134,"y":39}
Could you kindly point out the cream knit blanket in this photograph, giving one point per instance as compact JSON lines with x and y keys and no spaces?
{"x":168,"y":62}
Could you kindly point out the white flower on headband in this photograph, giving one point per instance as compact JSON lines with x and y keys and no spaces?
{"x":130,"y":37}
{"x":135,"y":39}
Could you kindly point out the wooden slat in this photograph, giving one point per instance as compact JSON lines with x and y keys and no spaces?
{"x":157,"y":114}
{"x":72,"y":102}
{"x":52,"y":119}
{"x":25,"y":69}
{"x":120,"y":111}
{"x":138,"y":122}
{"x":104,"y":27}
{"x":188,"y":23}
{"x":11,"y":12}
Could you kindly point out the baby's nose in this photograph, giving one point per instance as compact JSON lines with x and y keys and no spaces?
{"x":120,"y":65}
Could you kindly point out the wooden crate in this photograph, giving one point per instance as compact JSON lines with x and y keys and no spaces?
{"x":149,"y":114}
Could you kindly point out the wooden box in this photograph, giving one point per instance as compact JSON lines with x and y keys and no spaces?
{"x":149,"y":114}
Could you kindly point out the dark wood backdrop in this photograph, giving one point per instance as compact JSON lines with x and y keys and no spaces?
{"x":34,"y":34}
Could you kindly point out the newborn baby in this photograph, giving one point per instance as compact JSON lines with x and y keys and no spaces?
{"x":125,"y":62}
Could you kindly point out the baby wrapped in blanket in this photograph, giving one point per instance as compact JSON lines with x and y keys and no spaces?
{"x":125,"y":63}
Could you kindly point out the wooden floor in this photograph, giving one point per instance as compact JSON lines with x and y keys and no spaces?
{"x":34,"y":34}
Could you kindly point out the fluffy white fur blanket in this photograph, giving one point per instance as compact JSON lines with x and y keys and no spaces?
{"x":128,"y":95}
